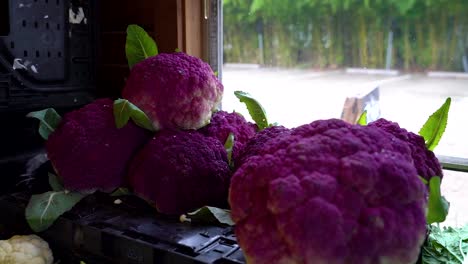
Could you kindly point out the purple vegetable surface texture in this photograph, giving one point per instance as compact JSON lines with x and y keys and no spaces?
{"x":222,"y":123}
{"x":180,"y":171}
{"x":425,"y":161}
{"x":330,"y":192}
{"x":260,"y":142}
{"x":89,"y":152}
{"x":176,"y":90}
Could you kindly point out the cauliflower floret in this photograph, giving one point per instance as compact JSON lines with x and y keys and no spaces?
{"x":29,"y":249}
{"x":175,"y":90}
{"x":179,"y":171}
{"x":425,"y":161}
{"x":258,"y":144}
{"x":89,"y":152}
{"x":330,"y":192}
{"x":222,"y":123}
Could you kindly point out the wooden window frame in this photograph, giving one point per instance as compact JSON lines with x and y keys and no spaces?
{"x":181,"y":24}
{"x":193,"y":26}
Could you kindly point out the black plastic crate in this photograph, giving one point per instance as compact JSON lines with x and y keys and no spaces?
{"x":98,"y":231}
{"x":47,"y":53}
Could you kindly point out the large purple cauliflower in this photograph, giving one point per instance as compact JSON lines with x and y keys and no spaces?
{"x":223,"y":123}
{"x":89,"y":152}
{"x":425,"y":161}
{"x":175,"y":90}
{"x":179,"y":171}
{"x":330,"y":192}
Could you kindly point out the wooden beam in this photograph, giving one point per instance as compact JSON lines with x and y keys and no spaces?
{"x":179,"y":24}
{"x":168,"y":25}
{"x":193,"y":27}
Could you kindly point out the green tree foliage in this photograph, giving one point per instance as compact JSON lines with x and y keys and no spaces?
{"x":428,"y":34}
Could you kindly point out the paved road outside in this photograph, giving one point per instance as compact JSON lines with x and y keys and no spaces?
{"x":295,"y":97}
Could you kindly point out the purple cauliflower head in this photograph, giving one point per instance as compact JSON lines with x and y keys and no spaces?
{"x":179,"y":171}
{"x":175,"y":90}
{"x":330,"y":192}
{"x":424,"y":160}
{"x":89,"y":152}
{"x":222,"y":123}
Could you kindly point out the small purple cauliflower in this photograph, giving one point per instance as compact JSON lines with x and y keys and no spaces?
{"x":223,"y":123}
{"x":179,"y":171}
{"x":175,"y":90}
{"x":425,"y":161}
{"x":89,"y":152}
{"x":330,"y":192}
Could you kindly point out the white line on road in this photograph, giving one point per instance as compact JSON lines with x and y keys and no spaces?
{"x":372,"y":71}
{"x":448,"y":74}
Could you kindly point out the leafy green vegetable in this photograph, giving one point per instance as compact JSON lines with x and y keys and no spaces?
{"x":121,"y":112}
{"x":435,"y":125}
{"x":362,"y":120}
{"x":446,"y":245}
{"x":256,"y":111}
{"x":211,"y":215}
{"x":228,"y":145}
{"x":437,"y":208}
{"x":44,"y":209}
{"x":124,"y":110}
{"x":139,"y":45}
{"x":49,"y":121}
{"x":120,"y":192}
{"x":140,"y":118}
{"x":55,"y":183}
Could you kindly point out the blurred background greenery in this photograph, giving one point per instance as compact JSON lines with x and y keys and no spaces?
{"x":410,"y":35}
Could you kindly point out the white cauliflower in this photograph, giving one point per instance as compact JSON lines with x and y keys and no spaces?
{"x":25,"y":250}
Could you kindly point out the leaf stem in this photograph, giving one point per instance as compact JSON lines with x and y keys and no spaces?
{"x":49,"y":201}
